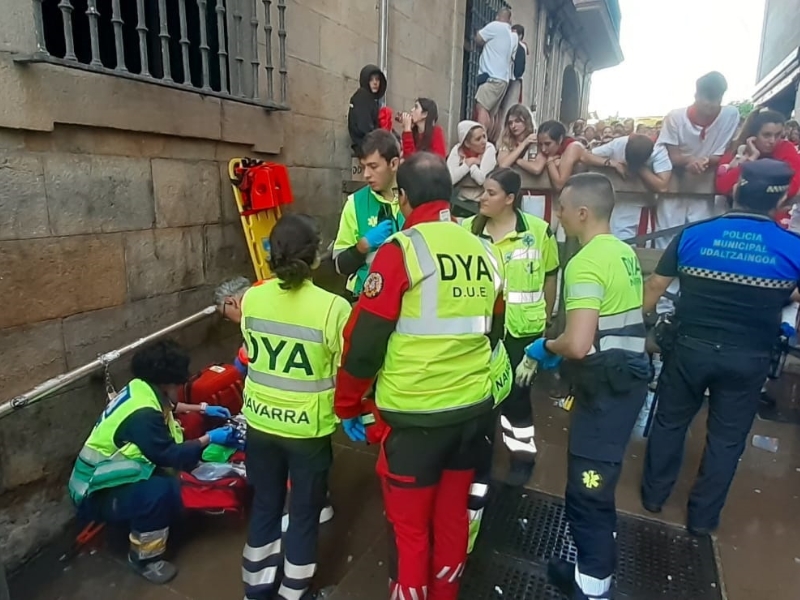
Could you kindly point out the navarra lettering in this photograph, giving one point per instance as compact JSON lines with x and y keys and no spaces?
{"x":284,"y":415}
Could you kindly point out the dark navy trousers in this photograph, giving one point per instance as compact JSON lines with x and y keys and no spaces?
{"x":734,"y":376}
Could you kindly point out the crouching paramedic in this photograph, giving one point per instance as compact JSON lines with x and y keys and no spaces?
{"x":603,"y":348}
{"x":292,"y":331}
{"x":118,"y":476}
{"x":370,"y":215}
{"x":424,"y":328}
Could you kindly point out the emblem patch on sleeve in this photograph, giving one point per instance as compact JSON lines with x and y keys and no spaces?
{"x":373,"y":285}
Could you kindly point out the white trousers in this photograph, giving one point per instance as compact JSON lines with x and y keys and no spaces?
{"x":672,"y":212}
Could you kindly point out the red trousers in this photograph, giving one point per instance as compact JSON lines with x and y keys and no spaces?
{"x":426,"y":475}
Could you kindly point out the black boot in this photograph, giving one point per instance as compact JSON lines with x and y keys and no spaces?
{"x":519,"y":472}
{"x":562,"y":575}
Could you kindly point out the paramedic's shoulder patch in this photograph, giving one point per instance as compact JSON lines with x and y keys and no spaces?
{"x":373,"y":285}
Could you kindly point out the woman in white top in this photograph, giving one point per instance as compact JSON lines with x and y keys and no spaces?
{"x":471,"y":160}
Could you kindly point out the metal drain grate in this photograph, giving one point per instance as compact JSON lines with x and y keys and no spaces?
{"x":492,"y":576}
{"x":654,"y":560}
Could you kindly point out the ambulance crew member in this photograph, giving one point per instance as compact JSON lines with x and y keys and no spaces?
{"x":637,"y":156}
{"x":119,"y":477}
{"x":605,"y":361}
{"x":530,"y":253}
{"x":736,"y":274}
{"x":228,"y":299}
{"x":292,"y":330}
{"x":370,"y":215}
{"x":424,"y":326}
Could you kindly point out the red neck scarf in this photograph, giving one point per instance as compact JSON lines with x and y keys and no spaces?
{"x":467,"y":153}
{"x":699,"y":121}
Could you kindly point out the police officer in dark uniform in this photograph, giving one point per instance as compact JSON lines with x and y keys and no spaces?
{"x":736,"y":273}
{"x":603,"y":351}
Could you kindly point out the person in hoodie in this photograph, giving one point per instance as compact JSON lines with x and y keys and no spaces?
{"x":471,"y":160}
{"x":363,"y":114}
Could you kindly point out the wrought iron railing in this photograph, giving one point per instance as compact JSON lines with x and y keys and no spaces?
{"x":479,"y":13}
{"x":171,"y":43}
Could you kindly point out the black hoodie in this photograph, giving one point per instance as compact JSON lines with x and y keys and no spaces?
{"x":363,"y":114}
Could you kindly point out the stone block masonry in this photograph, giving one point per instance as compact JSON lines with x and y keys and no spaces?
{"x":105,"y":236}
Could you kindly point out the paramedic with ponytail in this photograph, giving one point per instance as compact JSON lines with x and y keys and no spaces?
{"x":292,"y":330}
{"x":530,"y":253}
{"x":120,"y":474}
{"x":604,"y":359}
{"x":423,"y":329}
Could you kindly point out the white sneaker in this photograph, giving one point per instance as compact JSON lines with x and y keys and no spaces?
{"x":325,"y":515}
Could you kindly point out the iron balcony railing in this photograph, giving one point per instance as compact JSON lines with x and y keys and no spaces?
{"x":214,"y":47}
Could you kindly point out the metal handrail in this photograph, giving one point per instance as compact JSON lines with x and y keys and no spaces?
{"x":101,"y":362}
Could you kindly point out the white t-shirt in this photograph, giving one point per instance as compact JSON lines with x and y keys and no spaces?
{"x":678,"y":131}
{"x":498,"y":50}
{"x":615,"y":150}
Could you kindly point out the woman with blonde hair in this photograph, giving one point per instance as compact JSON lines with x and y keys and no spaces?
{"x":518,"y":146}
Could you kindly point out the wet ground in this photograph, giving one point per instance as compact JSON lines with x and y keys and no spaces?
{"x":758,"y":543}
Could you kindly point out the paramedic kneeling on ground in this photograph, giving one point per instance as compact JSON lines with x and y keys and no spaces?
{"x":424,"y":326}
{"x":292,"y":330}
{"x":736,"y":272}
{"x":604,"y":360}
{"x":118,"y":477}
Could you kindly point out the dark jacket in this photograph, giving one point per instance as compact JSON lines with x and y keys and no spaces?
{"x":363,"y":114}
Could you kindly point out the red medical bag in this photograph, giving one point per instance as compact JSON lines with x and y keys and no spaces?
{"x":217,"y":385}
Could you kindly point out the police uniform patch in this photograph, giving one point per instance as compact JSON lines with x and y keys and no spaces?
{"x":373,"y":285}
{"x":592,"y":480}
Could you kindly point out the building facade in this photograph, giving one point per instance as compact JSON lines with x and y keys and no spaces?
{"x":117,"y":121}
{"x":778,"y":77}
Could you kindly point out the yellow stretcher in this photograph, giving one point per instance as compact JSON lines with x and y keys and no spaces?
{"x":257,"y":227}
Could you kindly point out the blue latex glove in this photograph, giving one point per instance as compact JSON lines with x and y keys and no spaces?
{"x":224,"y":436}
{"x":240,"y":366}
{"x":546,"y":359}
{"x":787,"y":330}
{"x":379,"y":234}
{"x":354,"y":428}
{"x":218,"y":411}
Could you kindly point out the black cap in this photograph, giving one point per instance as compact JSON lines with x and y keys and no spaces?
{"x":763,"y":182}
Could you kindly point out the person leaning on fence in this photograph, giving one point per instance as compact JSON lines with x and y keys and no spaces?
{"x":471,"y":160}
{"x":293,"y":333}
{"x":121,"y":472}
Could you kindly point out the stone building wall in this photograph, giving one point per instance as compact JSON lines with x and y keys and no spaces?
{"x":117,"y":217}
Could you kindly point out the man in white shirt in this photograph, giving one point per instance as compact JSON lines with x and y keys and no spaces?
{"x":696,"y":138}
{"x":495,"y":68}
{"x":633,"y":155}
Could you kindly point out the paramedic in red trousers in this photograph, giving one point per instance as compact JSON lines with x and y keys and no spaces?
{"x":423,"y":329}
{"x":293,"y":331}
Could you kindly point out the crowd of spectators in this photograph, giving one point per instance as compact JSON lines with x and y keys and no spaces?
{"x":503,"y":133}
